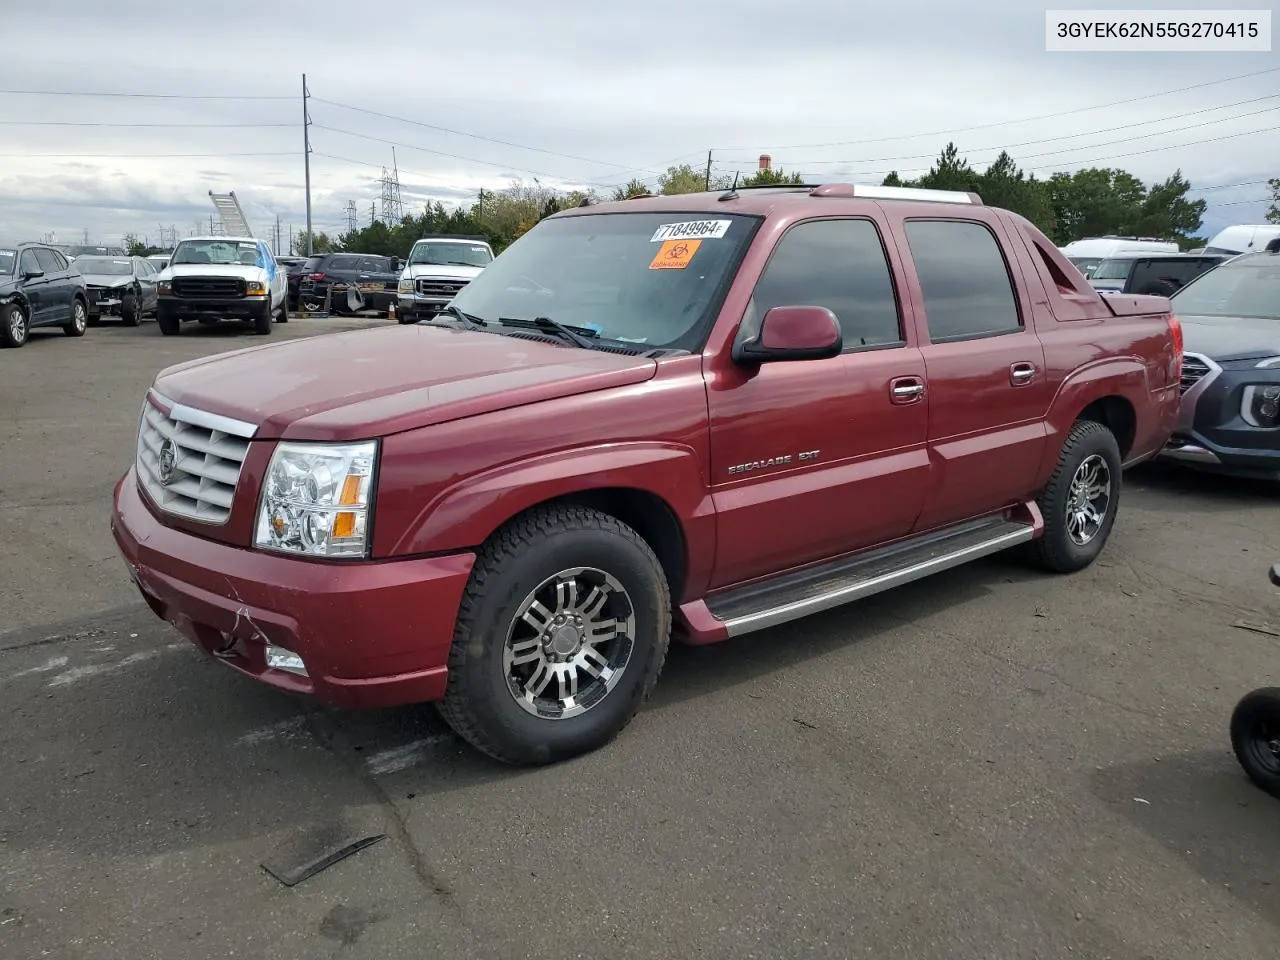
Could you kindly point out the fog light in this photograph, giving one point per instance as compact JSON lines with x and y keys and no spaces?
{"x":278,"y":658}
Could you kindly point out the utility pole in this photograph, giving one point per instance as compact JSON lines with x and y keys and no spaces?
{"x":277,"y":247}
{"x":306,"y":157}
{"x":480,"y":214}
{"x":373,"y":212}
{"x":708,"y":169}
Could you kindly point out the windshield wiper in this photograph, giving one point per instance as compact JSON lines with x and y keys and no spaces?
{"x":575,"y":335}
{"x":465,"y":317}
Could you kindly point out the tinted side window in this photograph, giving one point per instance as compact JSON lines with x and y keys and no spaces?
{"x":964,"y":279}
{"x":1173,"y":273}
{"x":344,"y":263}
{"x":29,"y":263}
{"x":840,"y":265}
{"x":48,"y":261}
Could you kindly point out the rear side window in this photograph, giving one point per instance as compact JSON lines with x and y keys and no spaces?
{"x":49,"y":261}
{"x":1169,"y":275}
{"x":840,"y":265}
{"x":313,"y":264}
{"x":964,"y":279}
{"x":1117,"y":269}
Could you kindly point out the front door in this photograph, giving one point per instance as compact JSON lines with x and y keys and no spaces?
{"x":986,"y":379}
{"x":34,"y":288}
{"x":812,"y":459}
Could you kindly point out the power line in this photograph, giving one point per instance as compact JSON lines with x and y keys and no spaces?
{"x":1088,"y":146}
{"x":1228,"y":186}
{"x":140,"y":96}
{"x":96,"y":123}
{"x":477,"y":136}
{"x":1006,"y":123}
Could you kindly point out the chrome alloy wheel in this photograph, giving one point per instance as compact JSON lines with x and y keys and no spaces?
{"x":1089,"y":499}
{"x":79,"y":317}
{"x":17,"y":325}
{"x":569,"y":643}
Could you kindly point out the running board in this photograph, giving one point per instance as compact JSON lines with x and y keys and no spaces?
{"x":814,"y":589}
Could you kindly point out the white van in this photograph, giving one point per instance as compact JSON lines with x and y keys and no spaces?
{"x":1088,"y":253}
{"x":1244,"y":238}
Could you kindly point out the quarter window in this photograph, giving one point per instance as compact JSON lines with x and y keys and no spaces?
{"x":840,"y":265}
{"x":964,"y":279}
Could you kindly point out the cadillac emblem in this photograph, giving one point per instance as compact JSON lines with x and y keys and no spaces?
{"x":166,"y":462}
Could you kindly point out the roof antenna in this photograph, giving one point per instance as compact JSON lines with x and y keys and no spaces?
{"x":732,"y":192}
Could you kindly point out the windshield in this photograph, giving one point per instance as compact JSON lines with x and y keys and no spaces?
{"x":1086,"y":265}
{"x":1117,"y":269}
{"x":1240,"y":288}
{"x":7,"y":260}
{"x":644,"y":278}
{"x":242,"y":252}
{"x":450,"y":252}
{"x":103,"y":266}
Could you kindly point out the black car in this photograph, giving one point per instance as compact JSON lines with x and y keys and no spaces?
{"x":354,"y":281}
{"x":39,"y":287}
{"x":1230,"y":419}
{"x":1158,"y":274}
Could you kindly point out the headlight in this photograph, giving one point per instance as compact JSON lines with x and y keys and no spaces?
{"x":405,"y":285}
{"x":163,"y":288}
{"x":315,"y":499}
{"x":1261,"y":406}
{"x":255,"y":289}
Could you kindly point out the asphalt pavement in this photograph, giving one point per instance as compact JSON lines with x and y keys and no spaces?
{"x":992,"y":763}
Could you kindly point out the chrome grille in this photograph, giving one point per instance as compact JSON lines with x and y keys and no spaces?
{"x":1194,"y":368}
{"x":208,"y":286}
{"x":432,"y":287}
{"x":205,"y":464}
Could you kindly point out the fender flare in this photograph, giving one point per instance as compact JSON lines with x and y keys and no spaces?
{"x":464,"y":515}
{"x":1125,"y":377}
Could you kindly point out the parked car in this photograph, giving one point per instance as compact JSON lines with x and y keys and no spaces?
{"x":76,"y":250}
{"x":352,"y":281}
{"x":1230,"y":419}
{"x":707,"y":414}
{"x":122,"y":287}
{"x":437,"y":268}
{"x":1086,"y":254}
{"x":159,"y":260}
{"x":1243,"y":238}
{"x":1158,"y":275}
{"x":212,"y":279}
{"x":295,"y":268}
{"x":39,"y":287}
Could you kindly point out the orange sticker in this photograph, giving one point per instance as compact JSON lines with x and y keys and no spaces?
{"x":674,"y":254}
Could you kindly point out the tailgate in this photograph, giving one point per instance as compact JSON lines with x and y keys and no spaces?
{"x":1136,"y":304}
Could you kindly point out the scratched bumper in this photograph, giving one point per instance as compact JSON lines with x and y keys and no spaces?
{"x":370,"y":634}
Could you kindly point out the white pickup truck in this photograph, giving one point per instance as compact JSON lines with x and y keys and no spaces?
{"x":436,"y":269}
{"x":211,"y":279}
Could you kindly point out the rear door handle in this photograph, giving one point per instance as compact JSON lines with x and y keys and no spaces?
{"x":1021,"y":373}
{"x":906,"y":389}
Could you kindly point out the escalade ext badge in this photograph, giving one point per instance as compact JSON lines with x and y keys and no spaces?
{"x":515,"y":529}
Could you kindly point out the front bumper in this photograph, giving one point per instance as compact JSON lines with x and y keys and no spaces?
{"x":104,"y":301}
{"x":418,"y":305}
{"x":371,"y":634}
{"x":193,"y":307}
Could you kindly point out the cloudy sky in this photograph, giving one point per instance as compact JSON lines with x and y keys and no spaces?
{"x":576,"y":93}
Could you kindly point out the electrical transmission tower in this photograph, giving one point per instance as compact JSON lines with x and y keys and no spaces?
{"x":392,"y":205}
{"x":351,"y":213}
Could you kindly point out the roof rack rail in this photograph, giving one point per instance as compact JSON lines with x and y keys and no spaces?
{"x":859,"y":190}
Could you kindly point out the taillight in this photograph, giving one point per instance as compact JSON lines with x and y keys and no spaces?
{"x":1175,"y":328}
{"x":317,"y":276}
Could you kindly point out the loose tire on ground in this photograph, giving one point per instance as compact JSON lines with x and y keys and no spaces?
{"x":1089,"y":444}
{"x":15,"y":326}
{"x":167,"y":321}
{"x":79,"y":322}
{"x":131,"y":309}
{"x":492,"y":642}
{"x":1255,"y":734}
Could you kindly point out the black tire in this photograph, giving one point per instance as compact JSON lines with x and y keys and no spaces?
{"x":1057,"y":550}
{"x":283,"y":315}
{"x":167,"y":321}
{"x":15,"y":326}
{"x":131,"y":309}
{"x":407,"y":318}
{"x":1158,"y":288}
{"x":1255,"y":724}
{"x":480,"y":704}
{"x":79,"y":322}
{"x":262,"y":322}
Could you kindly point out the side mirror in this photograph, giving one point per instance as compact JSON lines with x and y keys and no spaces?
{"x":32,"y":274}
{"x":793,"y":333}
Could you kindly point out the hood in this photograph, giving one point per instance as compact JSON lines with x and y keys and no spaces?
{"x":452,"y":271}
{"x":106,"y":280}
{"x":371,"y":383}
{"x":247,"y":270}
{"x":1225,"y":339}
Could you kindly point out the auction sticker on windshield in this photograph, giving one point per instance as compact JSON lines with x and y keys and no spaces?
{"x":691,"y":230}
{"x":674,"y":254}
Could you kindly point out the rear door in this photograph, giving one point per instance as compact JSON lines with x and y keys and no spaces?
{"x":986,"y":382}
{"x":817,"y":458}
{"x":60,"y":284}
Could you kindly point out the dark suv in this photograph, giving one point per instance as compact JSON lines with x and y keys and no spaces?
{"x":1153,"y":274}
{"x":39,"y":287}
{"x":355,"y":281}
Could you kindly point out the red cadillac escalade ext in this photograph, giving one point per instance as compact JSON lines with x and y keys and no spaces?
{"x":692,"y":416}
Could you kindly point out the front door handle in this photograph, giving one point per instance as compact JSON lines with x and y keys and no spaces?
{"x":906,"y":389}
{"x":1022,"y":373}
